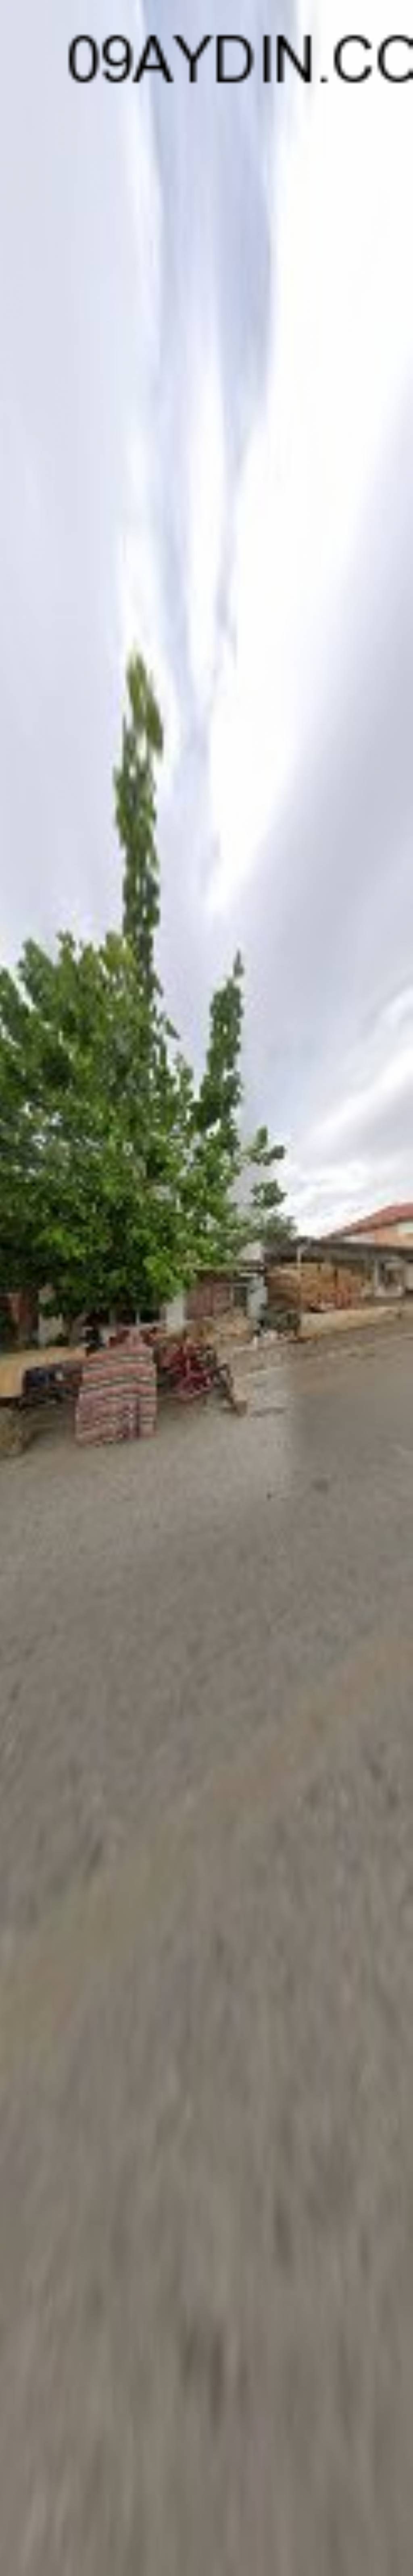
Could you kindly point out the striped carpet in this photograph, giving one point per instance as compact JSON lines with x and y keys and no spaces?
{"x":117,"y":1399}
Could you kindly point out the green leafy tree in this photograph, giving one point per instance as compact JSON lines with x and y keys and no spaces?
{"x":235,"y":1189}
{"x":135,"y":809}
{"x":118,"y":1183}
{"x":90,"y":1172}
{"x":267,"y":1199}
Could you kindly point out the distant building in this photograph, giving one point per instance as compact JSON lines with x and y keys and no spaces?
{"x":217,"y":1294}
{"x":19,"y":1316}
{"x":369,"y":1258}
{"x":388,"y":1235}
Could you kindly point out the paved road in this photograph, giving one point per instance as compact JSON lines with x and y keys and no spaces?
{"x":206,"y":1987}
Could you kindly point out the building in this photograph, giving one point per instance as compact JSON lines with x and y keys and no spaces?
{"x":18,"y":1316}
{"x":387,"y":1235}
{"x":218,"y":1294}
{"x":370,"y":1258}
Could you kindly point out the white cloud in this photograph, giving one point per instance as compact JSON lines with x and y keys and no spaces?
{"x":225,"y":477}
{"x":141,"y":600}
{"x":340,"y":349}
{"x":205,"y":502}
{"x":145,"y":195}
{"x":388,"y":1086}
{"x":333,"y":1178}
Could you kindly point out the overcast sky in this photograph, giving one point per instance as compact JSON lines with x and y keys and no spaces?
{"x":207,"y":449}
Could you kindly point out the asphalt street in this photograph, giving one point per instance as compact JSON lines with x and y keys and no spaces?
{"x":206,"y":1987}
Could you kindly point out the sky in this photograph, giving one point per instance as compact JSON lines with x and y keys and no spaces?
{"x":206,"y":409}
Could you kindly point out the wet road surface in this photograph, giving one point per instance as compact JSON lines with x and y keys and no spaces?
{"x":206,"y":1985}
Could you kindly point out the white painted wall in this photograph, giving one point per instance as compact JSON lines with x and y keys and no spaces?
{"x":173,"y":1315}
{"x":257,"y":1299}
{"x":49,"y":1325}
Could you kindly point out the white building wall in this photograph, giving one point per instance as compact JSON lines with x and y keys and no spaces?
{"x":257,"y":1299}
{"x":173,"y":1315}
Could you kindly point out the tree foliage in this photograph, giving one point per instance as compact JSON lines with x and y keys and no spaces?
{"x":221,"y":1162}
{"x":135,"y":810}
{"x":119,"y":1180}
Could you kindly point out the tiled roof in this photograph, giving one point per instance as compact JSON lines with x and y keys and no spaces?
{"x":385,"y":1216}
